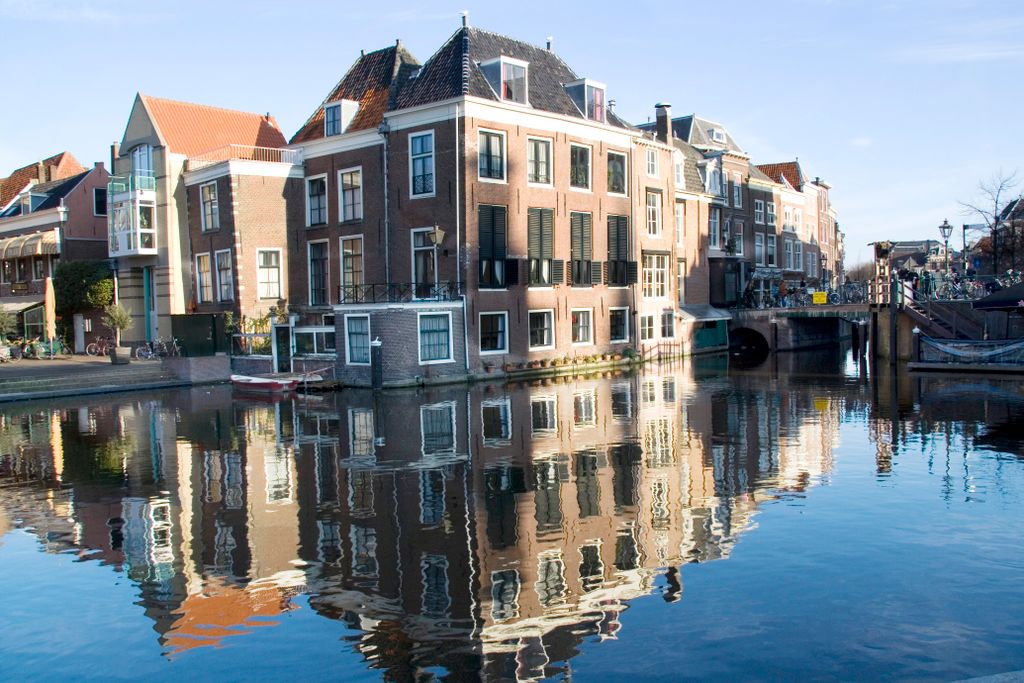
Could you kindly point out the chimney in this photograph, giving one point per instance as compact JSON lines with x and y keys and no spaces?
{"x":465,"y":18}
{"x":611,"y":106}
{"x":40,"y":172}
{"x":98,"y":165}
{"x":115,"y":151}
{"x":663,"y":125}
{"x":551,"y":42}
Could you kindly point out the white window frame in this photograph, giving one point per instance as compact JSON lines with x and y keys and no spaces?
{"x":327,"y":198}
{"x":625,"y":317}
{"x":788,"y":250}
{"x":652,"y":163}
{"x":199,"y":282}
{"x":551,"y":161}
{"x":348,"y":349}
{"x":737,"y":190}
{"x":590,"y":168}
{"x":341,"y":257}
{"x":504,"y":405}
{"x":590,"y":311}
{"x":433,"y":163}
{"x":681,"y":281}
{"x":643,"y":319}
{"x":798,"y":219}
{"x":625,"y":173}
{"x":763,"y":259}
{"x":759,"y":211}
{"x":419,"y":344}
{"x":679,"y":172}
{"x":551,"y":319}
{"x":202,"y":207}
{"x":679,"y":218}
{"x":504,"y":156}
{"x":341,"y":195}
{"x":309,"y":273}
{"x":551,"y":411}
{"x":216,"y":270}
{"x":501,"y":73}
{"x":659,"y":288}
{"x":412,"y":257}
{"x":772,"y":216}
{"x":281,"y":292}
{"x":480,"y":329}
{"x":653,"y":213}
{"x":772,"y":252}
{"x":106,"y":210}
{"x":327,"y":107}
{"x":714,"y":228}
{"x":737,"y":233}
{"x":798,"y":256}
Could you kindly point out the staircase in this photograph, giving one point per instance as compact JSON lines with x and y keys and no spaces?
{"x":937,"y":319}
{"x":39,"y":382}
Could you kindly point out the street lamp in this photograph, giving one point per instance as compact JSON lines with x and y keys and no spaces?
{"x":946,"y":229}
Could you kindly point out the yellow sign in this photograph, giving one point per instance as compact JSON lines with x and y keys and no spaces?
{"x":819,"y":298}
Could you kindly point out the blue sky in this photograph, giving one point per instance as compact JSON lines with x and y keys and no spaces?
{"x":903,"y":105}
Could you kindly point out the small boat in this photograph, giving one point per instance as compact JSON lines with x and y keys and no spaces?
{"x":264,"y":385}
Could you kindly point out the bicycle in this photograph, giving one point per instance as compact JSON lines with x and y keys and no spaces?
{"x":100,"y":347}
{"x":158,"y":349}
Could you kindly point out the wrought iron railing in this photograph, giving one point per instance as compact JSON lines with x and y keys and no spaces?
{"x":399,"y":292}
{"x":245,"y":153}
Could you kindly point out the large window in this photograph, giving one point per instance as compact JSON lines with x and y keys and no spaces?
{"x":350,"y":182}
{"x":492,"y":226}
{"x":357,"y":339}
{"x":737,"y":238}
{"x":652,"y":163}
{"x":771,"y":213}
{"x":316,"y":200}
{"x":496,"y":420}
{"x":99,"y":201}
{"x":616,"y":173}
{"x":492,"y":155}
{"x":579,"y":167}
{"x":541,"y":329}
{"x":351,"y":265}
{"x":788,"y":245}
{"x":332,"y":120}
{"x":618,"y":251}
{"x":681,"y":281}
{"x":538,"y":161}
{"x":38,"y":268}
{"x":759,"y":248}
{"x":421,"y":164}
{"x":680,"y":221}
{"x":668,"y":324}
{"x":435,"y":334}
{"x":798,"y":256}
{"x":424,"y":263}
{"x":318,"y":272}
{"x":655,"y":275}
{"x":653,"y":213}
{"x":582,"y":326}
{"x":737,"y":191}
{"x":581,"y":228}
{"x":313,"y":340}
{"x":142,"y":161}
{"x":772,"y":260}
{"x":204,"y":278}
{"x":759,"y":211}
{"x":540,"y":247}
{"x":714,"y":228}
{"x":513,"y":81}
{"x":268,"y":276}
{"x":225,"y":276}
{"x":210,"y":217}
{"x":646,"y":327}
{"x":618,"y":321}
{"x":493,"y":333}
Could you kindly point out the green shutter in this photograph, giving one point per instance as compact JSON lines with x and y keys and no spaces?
{"x":587,"y":236}
{"x":547,"y":224}
{"x":533,"y":231}
{"x":500,"y":223}
{"x":575,"y":236}
{"x":557,"y":272}
{"x":486,"y":231}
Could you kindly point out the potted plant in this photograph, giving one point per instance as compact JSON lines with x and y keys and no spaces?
{"x":117,"y":318}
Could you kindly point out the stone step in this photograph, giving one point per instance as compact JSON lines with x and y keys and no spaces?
{"x":47,"y":382}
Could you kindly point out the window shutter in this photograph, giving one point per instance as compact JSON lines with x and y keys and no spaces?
{"x":557,"y":272}
{"x":486,"y":231}
{"x":631,"y":273}
{"x":511,"y":271}
{"x":547,"y":224}
{"x":500,"y":214}
{"x":533,"y":231}
{"x":587,"y":236}
{"x":596,"y":273}
{"x":576,"y":236}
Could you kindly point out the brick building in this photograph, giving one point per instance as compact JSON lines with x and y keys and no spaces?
{"x":52,"y":211}
{"x":486,"y":207}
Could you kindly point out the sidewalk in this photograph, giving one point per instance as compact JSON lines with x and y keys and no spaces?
{"x":29,"y":378}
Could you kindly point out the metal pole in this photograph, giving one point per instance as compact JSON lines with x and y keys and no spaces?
{"x":965,"y":248}
{"x":947,"y":257}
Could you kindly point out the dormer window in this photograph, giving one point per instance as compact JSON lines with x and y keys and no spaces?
{"x":717,"y":135}
{"x":589,"y":96}
{"x":338,"y":115}
{"x":508,"y":77}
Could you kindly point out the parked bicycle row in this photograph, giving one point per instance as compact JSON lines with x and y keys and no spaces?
{"x":781,"y":295}
{"x":14,"y":350}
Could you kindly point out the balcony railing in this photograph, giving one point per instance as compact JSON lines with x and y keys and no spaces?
{"x":135,"y":182}
{"x":274,"y":155}
{"x":393,"y":292}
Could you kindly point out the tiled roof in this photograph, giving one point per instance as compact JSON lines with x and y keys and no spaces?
{"x":453,"y":71}
{"x":696,"y":131}
{"x":192,"y":129}
{"x":758,"y":174}
{"x":54,"y":190}
{"x":691,"y":173}
{"x":790,"y":170}
{"x":58,"y":166}
{"x":374,"y":82}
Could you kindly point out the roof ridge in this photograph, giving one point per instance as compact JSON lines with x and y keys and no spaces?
{"x":265,"y":116}
{"x":351,"y":68}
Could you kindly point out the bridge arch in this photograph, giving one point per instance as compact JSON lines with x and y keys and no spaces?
{"x":748,"y":346}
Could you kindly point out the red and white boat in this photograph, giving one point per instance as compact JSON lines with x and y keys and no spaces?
{"x":265,"y":385}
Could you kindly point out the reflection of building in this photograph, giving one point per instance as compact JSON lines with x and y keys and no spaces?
{"x":491,"y":529}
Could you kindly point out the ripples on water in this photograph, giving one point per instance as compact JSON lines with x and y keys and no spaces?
{"x":798,"y":520}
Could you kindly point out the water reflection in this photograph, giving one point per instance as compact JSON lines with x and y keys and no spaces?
{"x":490,"y":529}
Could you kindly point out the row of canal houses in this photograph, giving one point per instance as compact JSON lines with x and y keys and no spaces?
{"x":483,"y":208}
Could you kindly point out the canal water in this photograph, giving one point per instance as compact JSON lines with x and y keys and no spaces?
{"x":805,"y":519}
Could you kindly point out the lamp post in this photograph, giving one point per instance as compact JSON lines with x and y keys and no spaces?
{"x":946,"y":230}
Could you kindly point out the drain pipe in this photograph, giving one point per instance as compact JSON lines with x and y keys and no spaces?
{"x":383,"y":130}
{"x":458,"y":243}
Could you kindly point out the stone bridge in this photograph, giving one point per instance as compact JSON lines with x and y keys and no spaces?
{"x":789,"y":329}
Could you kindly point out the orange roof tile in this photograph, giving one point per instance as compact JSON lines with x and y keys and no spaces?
{"x":63,"y":165}
{"x":790,"y":170}
{"x":192,"y":129}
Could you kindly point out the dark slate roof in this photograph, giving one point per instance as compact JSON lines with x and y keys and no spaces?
{"x":375,"y":81}
{"x":1013,"y":211}
{"x":758,"y":174}
{"x":691,"y":171}
{"x":695,"y":131}
{"x":453,"y":71}
{"x":55,"y":191}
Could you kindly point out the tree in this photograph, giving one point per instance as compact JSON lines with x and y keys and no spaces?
{"x":118,"y":319}
{"x":80,"y":286}
{"x":994,"y":195}
{"x":8,"y":323}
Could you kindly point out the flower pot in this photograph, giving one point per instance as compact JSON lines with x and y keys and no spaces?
{"x":120,"y":355}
